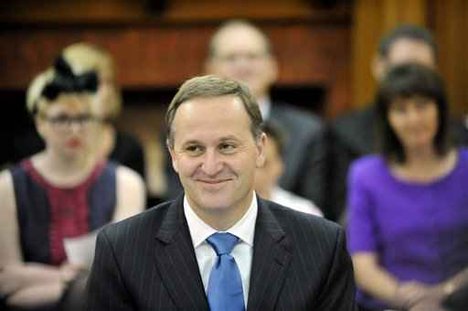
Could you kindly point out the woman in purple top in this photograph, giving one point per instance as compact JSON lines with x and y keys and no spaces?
{"x":408,"y":207}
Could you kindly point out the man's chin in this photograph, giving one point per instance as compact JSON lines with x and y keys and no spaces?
{"x":216,"y":206}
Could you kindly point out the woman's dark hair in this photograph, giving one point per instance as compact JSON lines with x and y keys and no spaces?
{"x":405,"y":81}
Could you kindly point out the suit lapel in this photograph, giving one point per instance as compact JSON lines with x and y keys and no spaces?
{"x":271,"y":257}
{"x":176,"y":261}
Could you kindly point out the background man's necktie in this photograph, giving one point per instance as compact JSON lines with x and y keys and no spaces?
{"x":225,"y":284}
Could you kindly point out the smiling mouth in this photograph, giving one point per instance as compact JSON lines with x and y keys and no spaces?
{"x":213,"y":182}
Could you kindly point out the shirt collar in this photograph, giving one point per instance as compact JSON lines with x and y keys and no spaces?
{"x":244,"y":229}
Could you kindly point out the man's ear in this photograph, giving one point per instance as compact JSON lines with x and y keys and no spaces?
{"x":261,"y":150}
{"x":378,"y":67}
{"x":173,"y":155}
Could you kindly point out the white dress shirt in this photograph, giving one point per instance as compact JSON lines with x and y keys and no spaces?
{"x":244,"y":229}
{"x":289,"y":199}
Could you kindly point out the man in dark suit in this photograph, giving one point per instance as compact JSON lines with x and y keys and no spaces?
{"x":167,"y":258}
{"x":238,"y":50}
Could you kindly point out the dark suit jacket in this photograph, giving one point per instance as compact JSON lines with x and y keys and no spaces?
{"x":350,"y":136}
{"x":300,"y":128}
{"x":148,"y":262}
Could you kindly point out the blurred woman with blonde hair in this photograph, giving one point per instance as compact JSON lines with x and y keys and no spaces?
{"x":110,"y":142}
{"x":61,"y":193}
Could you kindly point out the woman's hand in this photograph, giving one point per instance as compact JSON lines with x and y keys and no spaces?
{"x":12,"y":279}
{"x":431,"y":301}
{"x":427,"y":306}
{"x":25,"y":285}
{"x":69,"y":271}
{"x":409,"y":294}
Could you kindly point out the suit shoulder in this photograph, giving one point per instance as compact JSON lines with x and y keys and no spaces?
{"x":355,"y":120}
{"x":142,"y":223}
{"x":295,"y":116}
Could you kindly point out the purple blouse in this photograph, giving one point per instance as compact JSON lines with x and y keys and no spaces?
{"x":419,"y":230}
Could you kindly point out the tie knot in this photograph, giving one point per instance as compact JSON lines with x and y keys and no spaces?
{"x":222,"y":242}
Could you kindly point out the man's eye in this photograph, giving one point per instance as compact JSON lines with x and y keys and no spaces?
{"x":194,"y":149}
{"x":227,"y":147}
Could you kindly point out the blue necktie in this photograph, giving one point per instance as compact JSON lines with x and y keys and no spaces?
{"x":225,"y":285}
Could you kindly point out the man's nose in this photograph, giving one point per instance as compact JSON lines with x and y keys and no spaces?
{"x":212,"y":163}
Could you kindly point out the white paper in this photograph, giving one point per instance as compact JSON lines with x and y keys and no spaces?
{"x":80,"y":250}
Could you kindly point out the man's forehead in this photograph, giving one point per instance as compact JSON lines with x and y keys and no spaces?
{"x":223,"y":136}
{"x":203,"y":101}
{"x":238,"y":38}
{"x":411,"y":50}
{"x":207,"y":110}
{"x":206,"y":135}
{"x":218,"y":117}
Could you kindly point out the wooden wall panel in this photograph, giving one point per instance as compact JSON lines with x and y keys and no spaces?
{"x":152,"y":56}
{"x":371,"y":20}
{"x":146,"y":57}
{"x":447,"y":19}
{"x":451,"y":29}
{"x":146,"y":11}
{"x":156,"y":51}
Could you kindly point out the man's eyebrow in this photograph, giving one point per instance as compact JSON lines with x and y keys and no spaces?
{"x":222,"y":139}
{"x":229,"y":137}
{"x":191,"y":142}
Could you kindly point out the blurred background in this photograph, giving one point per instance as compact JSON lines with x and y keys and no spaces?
{"x":324,"y":48}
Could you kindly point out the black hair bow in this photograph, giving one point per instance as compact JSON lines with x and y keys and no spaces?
{"x":65,"y":81}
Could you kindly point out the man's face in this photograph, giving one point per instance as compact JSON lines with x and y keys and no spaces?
{"x":241,"y":54}
{"x":215,"y":155}
{"x":404,"y":51}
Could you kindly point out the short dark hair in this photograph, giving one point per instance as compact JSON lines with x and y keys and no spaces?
{"x":404,"y":81}
{"x":406,"y":31}
{"x":212,"y":86}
